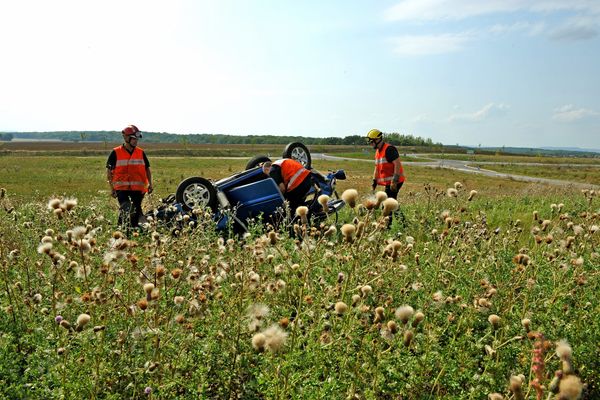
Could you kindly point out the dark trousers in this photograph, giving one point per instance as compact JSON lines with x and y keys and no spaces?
{"x":130,"y":206}
{"x":296,"y":197}
{"x":394,"y":194}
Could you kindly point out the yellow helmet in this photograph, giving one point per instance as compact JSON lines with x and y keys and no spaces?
{"x":374,"y":134}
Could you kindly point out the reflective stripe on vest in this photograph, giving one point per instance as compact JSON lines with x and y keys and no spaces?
{"x":385,"y":169}
{"x":130,"y":170}
{"x":292,"y":172}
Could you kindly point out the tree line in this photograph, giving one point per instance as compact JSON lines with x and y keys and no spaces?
{"x":206,"y":138}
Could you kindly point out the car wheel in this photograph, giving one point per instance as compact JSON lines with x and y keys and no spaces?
{"x":196,"y":192}
{"x":298,"y":152}
{"x":256,"y":161}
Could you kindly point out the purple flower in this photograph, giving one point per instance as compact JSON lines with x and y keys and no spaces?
{"x":148,"y":390}
{"x":58,"y":318}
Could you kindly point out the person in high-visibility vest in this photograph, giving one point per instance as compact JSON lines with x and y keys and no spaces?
{"x":294,"y":181}
{"x":129,"y":176}
{"x":388,"y":168}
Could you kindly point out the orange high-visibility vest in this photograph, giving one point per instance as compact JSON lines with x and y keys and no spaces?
{"x":292,"y":172}
{"x":130,"y":170}
{"x":385,"y":169}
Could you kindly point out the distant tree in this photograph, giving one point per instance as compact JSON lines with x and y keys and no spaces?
{"x":6,"y":137}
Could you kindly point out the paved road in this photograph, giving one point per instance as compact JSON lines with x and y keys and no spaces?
{"x":464,"y":166}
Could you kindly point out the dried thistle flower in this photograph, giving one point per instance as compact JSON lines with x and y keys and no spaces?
{"x":380,"y":197}
{"x":389,"y":205}
{"x":570,"y":388}
{"x":302,"y":212}
{"x":494,"y":320}
{"x":340,"y":308}
{"x":83,"y":319}
{"x":323,"y":201}
{"x":472,"y":195}
{"x":348,"y":230}
{"x":350,"y":196}
{"x":404,"y":313}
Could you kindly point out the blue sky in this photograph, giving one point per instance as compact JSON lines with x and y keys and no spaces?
{"x":493,"y":72}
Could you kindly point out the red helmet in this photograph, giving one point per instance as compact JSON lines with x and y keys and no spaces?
{"x":131,"y":130}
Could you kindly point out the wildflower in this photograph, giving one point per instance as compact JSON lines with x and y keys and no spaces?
{"x":366,"y":290}
{"x":379,"y":314}
{"x":451,"y":192}
{"x":521,"y":259}
{"x":69,"y":204}
{"x":259,"y":341}
{"x":494,"y":320}
{"x":44,"y":248}
{"x":85,"y":246}
{"x":495,"y":396}
{"x":348,"y":231}
{"x":536,"y":216}
{"x":570,"y":388}
{"x":392,"y":326}
{"x":370,"y":204}
{"x":302,"y":212}
{"x":419,"y":317}
{"x":526,"y":323}
{"x":323,"y":201}
{"x":380,"y":197}
{"x":350,"y":196}
{"x":564,"y":352}
{"x":176,"y":273}
{"x":403,"y":313}
{"x":142,"y":304}
{"x":355,"y":299}
{"x":78,"y":232}
{"x":82,"y":320}
{"x":275,"y":338}
{"x":340,"y":308}
{"x":148,"y":288}
{"x":330,"y":231}
{"x":178,"y":300}
{"x":408,"y":337}
{"x":65,"y":324}
{"x":180,"y":318}
{"x":148,"y":390}
{"x":578,"y":230}
{"x":458,"y":185}
{"x":37,"y":298}
{"x":53,"y":204}
{"x":389,"y":205}
{"x":545,"y":224}
{"x":58,"y":319}
{"x":516,"y":386}
{"x":489,"y":350}
{"x":472,"y":195}
{"x":258,"y":311}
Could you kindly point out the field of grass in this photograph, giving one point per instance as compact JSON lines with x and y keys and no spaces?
{"x":505,"y":158}
{"x":580,"y":173}
{"x":462,"y":299}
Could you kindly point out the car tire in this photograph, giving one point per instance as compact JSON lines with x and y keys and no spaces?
{"x":256,"y":161}
{"x":196,"y":192}
{"x":298,"y":152}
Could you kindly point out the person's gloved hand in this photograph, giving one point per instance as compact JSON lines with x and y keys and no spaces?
{"x":114,"y":193}
{"x":374,"y":184}
{"x":394,"y":186}
{"x":150,"y":189}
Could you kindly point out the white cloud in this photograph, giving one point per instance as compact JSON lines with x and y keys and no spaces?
{"x":427,"y":10}
{"x":529,"y":28}
{"x":418,"y":45}
{"x":484,"y":113}
{"x":568,"y":113}
{"x":577,"y":28}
